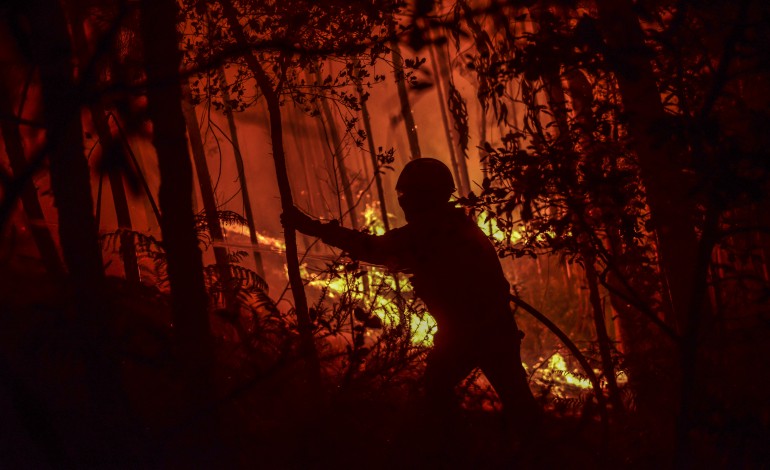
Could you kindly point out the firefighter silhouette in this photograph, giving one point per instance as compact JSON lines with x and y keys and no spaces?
{"x":456,"y":272}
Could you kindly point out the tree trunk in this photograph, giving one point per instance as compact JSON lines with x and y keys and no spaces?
{"x":605,"y":346}
{"x":221,"y":256}
{"x":372,"y":148}
{"x":328,"y":116}
{"x":110,"y":156}
{"x":105,"y":427}
{"x":14,"y":148}
{"x":462,"y":157}
{"x":119,"y":197}
{"x":461,"y":188}
{"x":403,"y":97}
{"x":271,"y":95}
{"x":668,"y":190}
{"x":660,"y":158}
{"x":185,"y":266}
{"x":249,"y":214}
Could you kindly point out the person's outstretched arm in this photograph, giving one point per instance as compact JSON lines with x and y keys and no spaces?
{"x":385,"y":249}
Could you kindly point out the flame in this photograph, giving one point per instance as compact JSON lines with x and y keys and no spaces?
{"x":422,"y":328}
{"x":488,"y":224}
{"x":265,"y":241}
{"x":272,"y":243}
{"x":561,"y":380}
{"x":372,"y":220}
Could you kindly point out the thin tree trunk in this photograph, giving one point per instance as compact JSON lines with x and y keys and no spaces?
{"x":155,"y":212}
{"x":660,"y":160}
{"x":483,"y":140}
{"x":185,"y":266}
{"x":372,"y":148}
{"x":110,"y":154}
{"x":49,"y":44}
{"x":403,"y":97}
{"x":444,"y":64}
{"x":14,"y":148}
{"x":211,"y":210}
{"x":119,"y":197}
{"x":208,"y":197}
{"x":241,"y":175}
{"x":462,"y":189}
{"x":605,"y":345}
{"x":337,"y":156}
{"x":271,"y":96}
{"x":668,"y":191}
{"x":643,"y":351}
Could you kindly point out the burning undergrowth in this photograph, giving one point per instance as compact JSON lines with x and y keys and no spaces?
{"x":370,"y":329}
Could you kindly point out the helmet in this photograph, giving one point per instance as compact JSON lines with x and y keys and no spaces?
{"x":426,"y":177}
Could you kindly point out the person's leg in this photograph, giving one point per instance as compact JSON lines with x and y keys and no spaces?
{"x":501,"y":363}
{"x":445,"y":368}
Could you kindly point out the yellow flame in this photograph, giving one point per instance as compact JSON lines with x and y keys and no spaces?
{"x":372,"y":220}
{"x":422,"y":329}
{"x":560,"y":377}
{"x":488,"y":224}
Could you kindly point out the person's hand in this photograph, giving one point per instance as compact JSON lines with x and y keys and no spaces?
{"x":298,"y":220}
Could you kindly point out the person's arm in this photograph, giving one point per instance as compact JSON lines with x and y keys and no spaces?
{"x":382,"y":249}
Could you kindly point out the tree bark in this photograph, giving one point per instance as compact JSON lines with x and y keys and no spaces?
{"x":459,"y":181}
{"x":403,"y":97}
{"x":660,"y":158}
{"x":446,"y":72}
{"x":14,"y":148}
{"x":106,"y":428}
{"x":605,"y":345}
{"x":328,"y":116}
{"x":248,"y":212}
{"x":110,"y":152}
{"x":185,"y":266}
{"x":271,"y":95}
{"x":372,"y":148}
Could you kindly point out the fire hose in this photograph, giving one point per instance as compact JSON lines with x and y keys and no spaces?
{"x":573,"y":349}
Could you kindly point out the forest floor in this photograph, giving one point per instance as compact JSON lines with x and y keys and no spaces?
{"x":50,"y":416}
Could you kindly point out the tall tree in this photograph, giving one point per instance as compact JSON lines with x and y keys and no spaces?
{"x":14,"y":149}
{"x":50,"y":50}
{"x":403,"y":98}
{"x":164,"y":106}
{"x":330,"y":129}
{"x":248,"y":213}
{"x":366,"y":117}
{"x":271,"y":92}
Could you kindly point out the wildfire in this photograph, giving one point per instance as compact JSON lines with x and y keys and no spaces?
{"x":556,"y":375}
{"x":372,"y":288}
{"x":488,"y":224}
{"x":369,"y":289}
